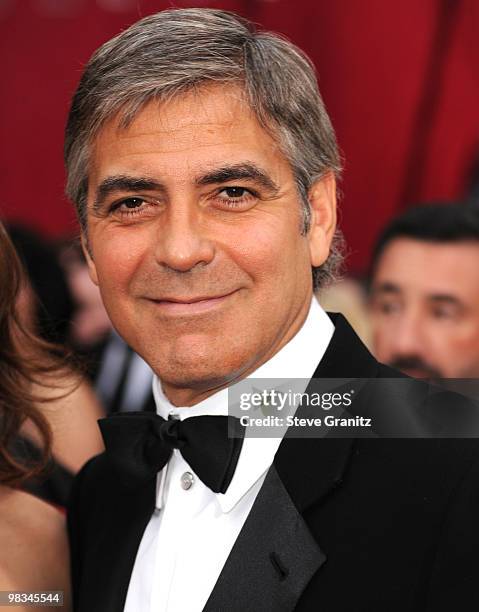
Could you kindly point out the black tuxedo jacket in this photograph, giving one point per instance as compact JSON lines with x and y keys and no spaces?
{"x":340,"y":525}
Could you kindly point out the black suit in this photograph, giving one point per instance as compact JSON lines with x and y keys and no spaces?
{"x":340,"y":525}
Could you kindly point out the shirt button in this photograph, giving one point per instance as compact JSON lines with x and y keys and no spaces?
{"x":187,"y":481}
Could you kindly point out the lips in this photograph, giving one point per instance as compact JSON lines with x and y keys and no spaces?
{"x":174,"y":305}
{"x":192,"y":300}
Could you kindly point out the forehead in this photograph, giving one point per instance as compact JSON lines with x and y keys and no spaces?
{"x":189,"y":132}
{"x":422,"y":268}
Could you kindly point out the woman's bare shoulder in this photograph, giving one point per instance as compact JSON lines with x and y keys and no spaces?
{"x":34,"y":554}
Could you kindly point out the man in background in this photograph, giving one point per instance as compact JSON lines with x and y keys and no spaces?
{"x":425,"y":292}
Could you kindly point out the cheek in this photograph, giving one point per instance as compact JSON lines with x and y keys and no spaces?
{"x":253,"y":251}
{"x":117,"y":257}
{"x":384,"y":336}
{"x":381,"y":342}
{"x":274,"y":254}
{"x":465,"y":340}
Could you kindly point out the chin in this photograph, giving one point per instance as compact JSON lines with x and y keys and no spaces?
{"x":205,"y":370}
{"x":198,"y":360}
{"x":199,"y":380}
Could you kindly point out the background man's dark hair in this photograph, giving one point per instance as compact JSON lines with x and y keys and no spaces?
{"x":447,"y":222}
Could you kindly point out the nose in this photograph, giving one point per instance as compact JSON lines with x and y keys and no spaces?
{"x":182,"y":241}
{"x":407,"y":336}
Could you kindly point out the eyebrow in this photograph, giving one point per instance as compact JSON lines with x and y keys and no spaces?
{"x":444,"y":298}
{"x":243,"y":171}
{"x":437,"y":298}
{"x":386,"y":287}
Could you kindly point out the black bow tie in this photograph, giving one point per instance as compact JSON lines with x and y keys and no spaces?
{"x":140,"y":444}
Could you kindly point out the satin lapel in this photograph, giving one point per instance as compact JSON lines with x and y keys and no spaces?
{"x":110,"y":557}
{"x":273,"y":558}
{"x":311,"y":468}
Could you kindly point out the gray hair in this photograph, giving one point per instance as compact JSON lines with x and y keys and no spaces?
{"x":177,"y":50}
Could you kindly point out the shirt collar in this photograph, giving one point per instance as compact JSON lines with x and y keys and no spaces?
{"x":297,"y":359}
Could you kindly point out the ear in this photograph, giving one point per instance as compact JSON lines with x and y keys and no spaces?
{"x":89,"y":258}
{"x":322,"y":201}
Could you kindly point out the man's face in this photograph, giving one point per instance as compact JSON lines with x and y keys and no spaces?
{"x":425,"y":307}
{"x":194,"y":232}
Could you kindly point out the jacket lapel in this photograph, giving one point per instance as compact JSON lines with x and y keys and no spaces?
{"x":323,"y":461}
{"x":273,"y":559}
{"x":275,"y":555}
{"x":110,"y":556}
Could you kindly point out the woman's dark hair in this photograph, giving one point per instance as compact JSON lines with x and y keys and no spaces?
{"x":53,"y":307}
{"x":25,"y":361}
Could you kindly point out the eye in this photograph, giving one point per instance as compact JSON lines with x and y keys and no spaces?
{"x":387,"y":307}
{"x":234,"y":192}
{"x":445,"y":312}
{"x":133,"y":206}
{"x":236,"y":197}
{"x":131,"y":203}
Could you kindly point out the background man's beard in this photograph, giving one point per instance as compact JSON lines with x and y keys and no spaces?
{"x":416,"y":364}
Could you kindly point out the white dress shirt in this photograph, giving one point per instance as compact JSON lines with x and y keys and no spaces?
{"x":192,"y":530}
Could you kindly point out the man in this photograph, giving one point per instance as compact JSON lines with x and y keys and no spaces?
{"x":202,"y":163}
{"x":425,"y":292}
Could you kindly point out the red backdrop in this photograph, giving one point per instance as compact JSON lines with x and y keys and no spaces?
{"x":400,"y":80}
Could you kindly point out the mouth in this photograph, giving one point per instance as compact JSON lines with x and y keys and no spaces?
{"x":190,"y":305}
{"x":415,"y":367}
{"x":417,"y":373}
